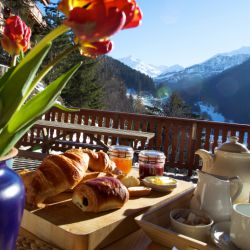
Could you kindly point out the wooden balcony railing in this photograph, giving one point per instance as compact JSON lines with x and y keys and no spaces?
{"x":178,"y":138}
{"x":27,"y":9}
{"x":36,"y":15}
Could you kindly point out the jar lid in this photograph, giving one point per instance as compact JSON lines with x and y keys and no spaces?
{"x":233,"y":146}
{"x":120,"y":149}
{"x":152,"y":154}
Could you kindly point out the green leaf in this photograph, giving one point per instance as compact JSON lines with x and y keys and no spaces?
{"x":32,"y":110}
{"x":49,"y":67}
{"x":4,"y":78}
{"x":57,"y":105}
{"x":18,"y":83}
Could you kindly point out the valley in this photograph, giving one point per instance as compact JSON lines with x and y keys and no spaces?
{"x":217,"y":87}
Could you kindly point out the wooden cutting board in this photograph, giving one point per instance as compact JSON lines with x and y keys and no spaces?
{"x":66,"y":226}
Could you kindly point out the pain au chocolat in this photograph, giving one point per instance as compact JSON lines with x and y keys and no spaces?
{"x":100,"y":194}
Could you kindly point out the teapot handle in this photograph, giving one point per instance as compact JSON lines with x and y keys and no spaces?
{"x":238,"y":182}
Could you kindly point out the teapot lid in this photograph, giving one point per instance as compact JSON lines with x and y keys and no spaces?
{"x":233,"y":146}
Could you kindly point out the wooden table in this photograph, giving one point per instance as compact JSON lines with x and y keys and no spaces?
{"x":93,"y":131}
{"x":136,"y":240}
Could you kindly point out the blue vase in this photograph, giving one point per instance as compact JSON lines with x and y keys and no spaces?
{"x":12,"y":198}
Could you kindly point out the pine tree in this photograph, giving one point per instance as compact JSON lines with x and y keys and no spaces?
{"x":84,"y":89}
{"x":176,"y":107}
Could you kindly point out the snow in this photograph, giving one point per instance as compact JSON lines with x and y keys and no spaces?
{"x":243,"y":51}
{"x":210,"y":110}
{"x":210,"y":67}
{"x":149,"y":69}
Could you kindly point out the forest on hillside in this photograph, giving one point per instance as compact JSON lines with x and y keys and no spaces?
{"x":100,"y":83}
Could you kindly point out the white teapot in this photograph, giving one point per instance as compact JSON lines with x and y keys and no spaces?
{"x":230,"y":159}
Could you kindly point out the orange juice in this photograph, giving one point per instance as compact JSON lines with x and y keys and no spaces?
{"x":122,"y":156}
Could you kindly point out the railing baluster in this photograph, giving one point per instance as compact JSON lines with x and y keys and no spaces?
{"x":107,"y":124}
{"x":216,"y":135}
{"x":175,"y":134}
{"x":241,"y":136}
{"x":151,"y":128}
{"x":159,"y":135}
{"x":182,"y":144}
{"x":166,"y":141}
{"x":207,"y":138}
{"x":224,"y":135}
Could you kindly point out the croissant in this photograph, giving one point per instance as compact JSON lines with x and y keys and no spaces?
{"x":100,"y":161}
{"x":56,"y":174}
{"x":100,"y":194}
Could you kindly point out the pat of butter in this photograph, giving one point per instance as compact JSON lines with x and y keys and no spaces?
{"x":161,"y":180}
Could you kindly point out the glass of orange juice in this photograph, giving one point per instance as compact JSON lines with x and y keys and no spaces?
{"x":122,"y":156}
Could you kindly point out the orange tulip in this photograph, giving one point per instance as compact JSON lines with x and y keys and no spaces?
{"x":94,"y":20}
{"x":96,"y":48}
{"x":16,"y":36}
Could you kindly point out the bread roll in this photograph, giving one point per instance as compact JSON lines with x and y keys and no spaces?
{"x":139,"y":191}
{"x":56,"y":174}
{"x":100,"y":161}
{"x":100,"y":194}
{"x":129,"y":181}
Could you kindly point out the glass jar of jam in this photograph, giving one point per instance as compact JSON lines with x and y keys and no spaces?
{"x":151,"y":163}
{"x":122,"y":156}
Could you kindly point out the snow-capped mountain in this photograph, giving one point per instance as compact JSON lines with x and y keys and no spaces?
{"x":212,"y":66}
{"x":149,"y":69}
{"x":243,"y":50}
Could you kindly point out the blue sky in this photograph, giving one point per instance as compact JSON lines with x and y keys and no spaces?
{"x":185,"y":32}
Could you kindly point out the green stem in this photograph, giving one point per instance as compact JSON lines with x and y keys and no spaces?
{"x":13,"y":61}
{"x":21,"y":55}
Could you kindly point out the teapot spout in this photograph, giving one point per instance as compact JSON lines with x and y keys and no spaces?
{"x":207,"y":159}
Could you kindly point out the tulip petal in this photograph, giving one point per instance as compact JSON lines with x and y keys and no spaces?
{"x":92,"y":25}
{"x":96,"y":48}
{"x":135,"y":21}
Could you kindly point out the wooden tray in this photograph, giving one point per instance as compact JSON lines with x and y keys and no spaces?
{"x":66,"y":226}
{"x":156,"y":224}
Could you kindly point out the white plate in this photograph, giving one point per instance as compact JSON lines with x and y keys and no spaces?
{"x":220,"y":234}
{"x":160,"y":183}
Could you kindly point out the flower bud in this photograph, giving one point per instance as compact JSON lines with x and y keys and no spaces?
{"x":16,"y":36}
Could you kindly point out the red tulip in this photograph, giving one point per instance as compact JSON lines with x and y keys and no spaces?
{"x":96,"y":48}
{"x":16,"y":36}
{"x":94,"y":20}
{"x":92,"y":25}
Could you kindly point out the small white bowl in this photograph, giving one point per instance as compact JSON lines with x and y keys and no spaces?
{"x":199,"y":232}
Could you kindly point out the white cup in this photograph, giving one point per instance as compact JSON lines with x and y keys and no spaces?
{"x":240,"y":226}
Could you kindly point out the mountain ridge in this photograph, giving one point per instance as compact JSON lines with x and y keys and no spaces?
{"x":172,"y":74}
{"x":210,"y":67}
{"x":148,"y":69}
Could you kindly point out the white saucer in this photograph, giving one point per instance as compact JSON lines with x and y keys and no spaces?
{"x":220,"y":234}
